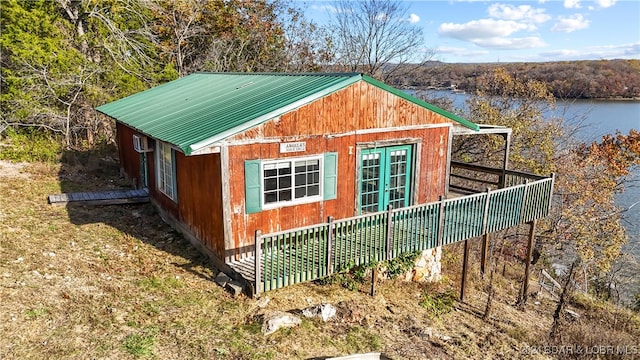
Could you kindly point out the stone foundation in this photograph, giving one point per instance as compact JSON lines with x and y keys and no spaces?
{"x":428,"y":267}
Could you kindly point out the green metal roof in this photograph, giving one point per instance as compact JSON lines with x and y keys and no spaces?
{"x":201,"y":109}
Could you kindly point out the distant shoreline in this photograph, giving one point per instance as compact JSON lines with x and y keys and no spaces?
{"x":460,"y":91}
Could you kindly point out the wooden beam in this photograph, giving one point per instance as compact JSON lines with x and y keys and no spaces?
{"x":465,"y":265}
{"x":484,"y":254}
{"x":527,"y":266}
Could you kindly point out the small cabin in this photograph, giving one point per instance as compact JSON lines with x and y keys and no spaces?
{"x":228,"y":155}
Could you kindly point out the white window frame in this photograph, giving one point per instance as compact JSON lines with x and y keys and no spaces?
{"x":165,"y":170}
{"x":303,"y":200}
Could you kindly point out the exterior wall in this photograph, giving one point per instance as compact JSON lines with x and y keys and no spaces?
{"x":129,"y":158}
{"x":200,"y":199}
{"x":336,"y":123}
{"x":198,"y":184}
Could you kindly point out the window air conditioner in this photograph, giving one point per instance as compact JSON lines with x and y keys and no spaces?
{"x":140,"y":144}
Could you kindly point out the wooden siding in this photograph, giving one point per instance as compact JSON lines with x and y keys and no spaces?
{"x":200,"y":198}
{"x":336,"y":123}
{"x":129,"y":158}
{"x":360,"y":106}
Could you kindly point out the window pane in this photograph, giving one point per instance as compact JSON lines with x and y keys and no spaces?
{"x":301,"y":192}
{"x":284,"y":182}
{"x":270,"y":184}
{"x":270,"y":197}
{"x":270,"y":172}
{"x":300,"y":179}
{"x":313,"y":190}
{"x":285,"y":195}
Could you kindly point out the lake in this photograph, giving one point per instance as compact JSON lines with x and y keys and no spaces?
{"x":598,"y":118}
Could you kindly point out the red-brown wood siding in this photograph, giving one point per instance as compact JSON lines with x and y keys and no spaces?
{"x":328,"y":125}
{"x":200,"y":199}
{"x":129,"y":158}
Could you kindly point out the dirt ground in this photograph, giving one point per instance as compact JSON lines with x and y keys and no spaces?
{"x":115,"y":282}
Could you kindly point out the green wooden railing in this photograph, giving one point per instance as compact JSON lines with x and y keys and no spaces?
{"x":293,"y":256}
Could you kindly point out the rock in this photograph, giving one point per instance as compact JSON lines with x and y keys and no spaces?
{"x":275,"y":320}
{"x":572,"y":314}
{"x":222,"y":279}
{"x":428,"y":267}
{"x":261,"y":303}
{"x":324,"y":311}
{"x":234,"y":287}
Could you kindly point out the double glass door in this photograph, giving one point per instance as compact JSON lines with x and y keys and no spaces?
{"x":385,"y":175}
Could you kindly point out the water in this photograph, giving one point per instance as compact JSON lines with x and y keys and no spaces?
{"x":597,"y":118}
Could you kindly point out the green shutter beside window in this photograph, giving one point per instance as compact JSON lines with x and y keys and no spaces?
{"x":330,"y":176}
{"x":252,"y":186}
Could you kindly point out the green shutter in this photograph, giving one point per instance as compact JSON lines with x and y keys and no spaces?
{"x":330,"y":176}
{"x":252,"y":186}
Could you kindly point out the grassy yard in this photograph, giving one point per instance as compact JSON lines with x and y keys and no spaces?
{"x":116,"y":282}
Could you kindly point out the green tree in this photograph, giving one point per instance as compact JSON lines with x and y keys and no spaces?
{"x":61,"y":59}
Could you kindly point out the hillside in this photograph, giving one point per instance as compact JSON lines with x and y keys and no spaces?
{"x":116,"y":282}
{"x":587,"y":79}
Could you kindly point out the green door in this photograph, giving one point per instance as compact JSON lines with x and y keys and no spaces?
{"x":385,"y":175}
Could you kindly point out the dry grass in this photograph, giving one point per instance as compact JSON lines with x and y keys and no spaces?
{"x":116,"y":282}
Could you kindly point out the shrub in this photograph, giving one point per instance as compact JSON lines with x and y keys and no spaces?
{"x":29,"y":145}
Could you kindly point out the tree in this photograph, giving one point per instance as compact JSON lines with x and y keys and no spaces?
{"x":584,"y":224}
{"x":61,"y":59}
{"x":376,"y":37}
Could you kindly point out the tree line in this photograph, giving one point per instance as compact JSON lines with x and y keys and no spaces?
{"x":60,"y":59}
{"x":587,"y":79}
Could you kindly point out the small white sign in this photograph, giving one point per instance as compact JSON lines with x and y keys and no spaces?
{"x":293,"y":147}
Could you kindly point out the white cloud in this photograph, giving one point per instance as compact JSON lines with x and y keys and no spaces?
{"x":491,"y":33}
{"x":483,"y":28}
{"x":572,"y":4}
{"x":606,"y":3}
{"x":570,"y":23}
{"x":530,"y":42}
{"x":522,"y":12}
{"x":413,"y":18}
{"x":621,"y":51}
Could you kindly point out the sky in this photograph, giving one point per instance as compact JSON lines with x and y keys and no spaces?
{"x":475,"y":31}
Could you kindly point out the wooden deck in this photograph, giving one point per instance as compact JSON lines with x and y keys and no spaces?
{"x":107,"y":197}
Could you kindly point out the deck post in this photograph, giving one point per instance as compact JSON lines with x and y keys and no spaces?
{"x":258,"y":257}
{"x":374,"y":278}
{"x":505,"y":163}
{"x":485,"y":234}
{"x":484,"y":255}
{"x":331,"y":228}
{"x":441,"y":220}
{"x":523,"y":211}
{"x":389,"y":231}
{"x":527,"y":264}
{"x":465,"y":265}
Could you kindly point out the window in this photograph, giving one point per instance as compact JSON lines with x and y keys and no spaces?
{"x":273,"y":183}
{"x":292,"y":180}
{"x":166,"y":170}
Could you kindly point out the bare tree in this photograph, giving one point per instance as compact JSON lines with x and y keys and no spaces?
{"x":376,"y":37}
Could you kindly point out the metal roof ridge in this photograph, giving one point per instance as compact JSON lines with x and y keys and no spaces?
{"x":343,"y":74}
